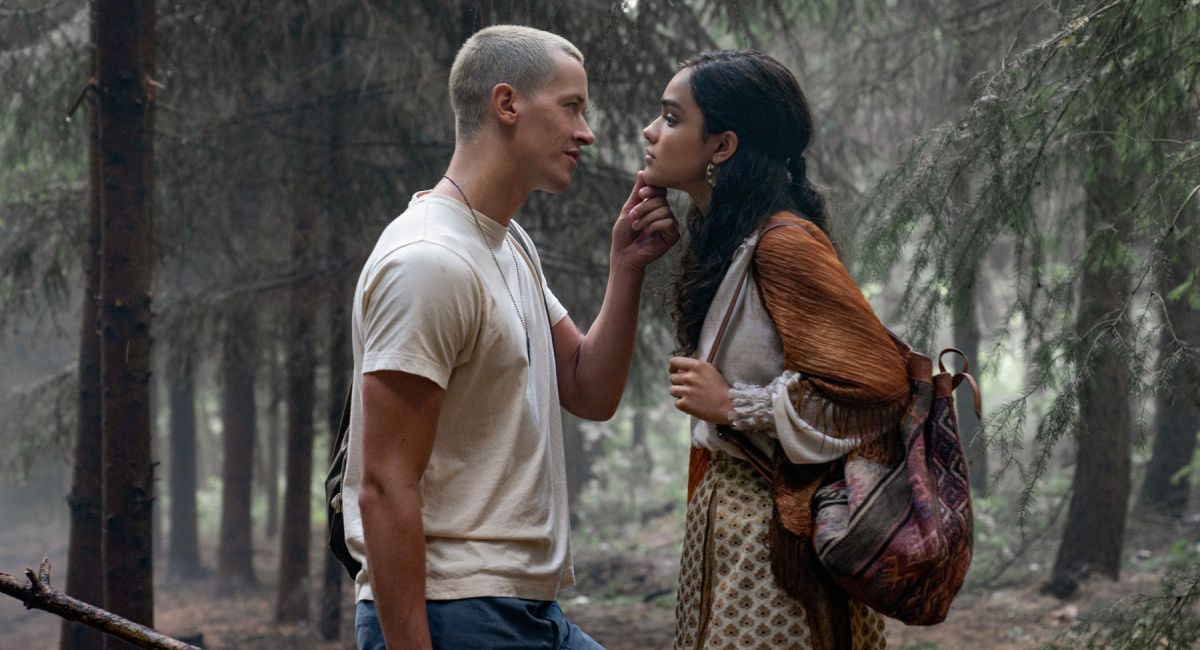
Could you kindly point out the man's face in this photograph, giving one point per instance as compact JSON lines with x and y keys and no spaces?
{"x":552,"y":128}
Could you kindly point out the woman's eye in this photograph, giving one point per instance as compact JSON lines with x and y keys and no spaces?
{"x":670,"y":119}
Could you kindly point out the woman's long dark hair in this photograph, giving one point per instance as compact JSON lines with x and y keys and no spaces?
{"x":759,"y":99}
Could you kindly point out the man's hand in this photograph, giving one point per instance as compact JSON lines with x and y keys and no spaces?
{"x":645,"y":229}
{"x":700,"y":390}
{"x":592,"y":369}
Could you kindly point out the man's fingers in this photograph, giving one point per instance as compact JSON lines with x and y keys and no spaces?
{"x":646,"y":206}
{"x":650,"y":190}
{"x":635,"y":194}
{"x":665,"y":228}
{"x":657,"y":223}
{"x":646,"y":214}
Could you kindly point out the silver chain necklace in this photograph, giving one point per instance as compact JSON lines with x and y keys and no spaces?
{"x":516,"y":267}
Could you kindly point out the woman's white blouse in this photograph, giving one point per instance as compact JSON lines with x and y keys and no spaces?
{"x":750,"y":357}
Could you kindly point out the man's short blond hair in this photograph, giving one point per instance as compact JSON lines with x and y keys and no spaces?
{"x":522,"y":57}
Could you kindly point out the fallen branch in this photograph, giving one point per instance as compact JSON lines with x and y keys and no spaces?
{"x":38,"y":595}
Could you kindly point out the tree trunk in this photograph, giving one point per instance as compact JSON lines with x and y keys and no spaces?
{"x":292,"y":598}
{"x":1095,"y":528}
{"x":271,"y":479}
{"x":125,"y":316}
{"x":1177,"y":418}
{"x":235,"y":551}
{"x":966,"y":338}
{"x":578,"y":460}
{"x":964,"y":309}
{"x":340,"y":368}
{"x":473,"y":16}
{"x":85,"y":576}
{"x":183,"y":552}
{"x":638,"y":425}
{"x":340,"y":363}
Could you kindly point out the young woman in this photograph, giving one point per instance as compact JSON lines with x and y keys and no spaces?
{"x":803,"y":374}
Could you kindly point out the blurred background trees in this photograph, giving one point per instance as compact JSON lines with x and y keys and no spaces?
{"x":1014,"y":178}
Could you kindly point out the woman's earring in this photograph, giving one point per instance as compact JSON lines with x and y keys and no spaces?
{"x":710,"y":175}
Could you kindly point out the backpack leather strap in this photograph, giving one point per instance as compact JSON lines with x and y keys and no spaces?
{"x":961,"y":375}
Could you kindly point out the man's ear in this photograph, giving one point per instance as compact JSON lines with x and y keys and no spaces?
{"x":504,"y":103}
{"x":726,"y":146}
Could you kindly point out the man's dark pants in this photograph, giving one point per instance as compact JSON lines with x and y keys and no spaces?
{"x":484,"y":624}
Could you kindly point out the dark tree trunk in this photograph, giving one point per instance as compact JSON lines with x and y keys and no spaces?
{"x":340,"y":363}
{"x":1177,"y":418}
{"x":124,"y":37}
{"x":235,"y":551}
{"x":292,"y":598}
{"x":85,"y":576}
{"x":638,"y":425}
{"x":271,"y":478}
{"x":474,"y":15}
{"x":578,"y":460}
{"x":183,"y":551}
{"x":1095,"y":527}
{"x":149,"y":71}
{"x":340,"y":368}
{"x":966,"y":338}
{"x":964,"y":309}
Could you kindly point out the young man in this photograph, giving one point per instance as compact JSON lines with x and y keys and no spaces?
{"x":455,"y":490}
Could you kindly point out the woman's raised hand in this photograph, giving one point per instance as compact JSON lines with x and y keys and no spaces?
{"x":700,"y":390}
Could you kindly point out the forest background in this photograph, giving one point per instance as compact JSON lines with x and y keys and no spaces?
{"x":1015,"y":178}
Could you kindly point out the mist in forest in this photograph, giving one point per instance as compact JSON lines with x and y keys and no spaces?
{"x":1017,"y":180}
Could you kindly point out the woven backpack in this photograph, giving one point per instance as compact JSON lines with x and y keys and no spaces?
{"x":901,"y":542}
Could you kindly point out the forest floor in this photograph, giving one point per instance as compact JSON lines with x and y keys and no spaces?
{"x":625,"y":600}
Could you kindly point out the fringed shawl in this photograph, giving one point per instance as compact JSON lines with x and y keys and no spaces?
{"x":829,"y":332}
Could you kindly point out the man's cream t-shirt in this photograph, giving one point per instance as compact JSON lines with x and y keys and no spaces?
{"x":431,"y":302}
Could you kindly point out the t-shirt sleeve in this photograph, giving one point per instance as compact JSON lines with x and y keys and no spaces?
{"x":421,"y":313}
{"x":554,"y":308}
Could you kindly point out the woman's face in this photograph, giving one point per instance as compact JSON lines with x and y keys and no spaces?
{"x":678,"y":151}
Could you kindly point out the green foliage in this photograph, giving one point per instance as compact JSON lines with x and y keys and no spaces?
{"x":633,"y":484}
{"x":1168,"y":619}
{"x":43,"y":161}
{"x":1007,"y":552}
{"x":1116,"y":76}
{"x":1187,"y":473}
{"x":46,"y":423}
{"x":1188,"y":291}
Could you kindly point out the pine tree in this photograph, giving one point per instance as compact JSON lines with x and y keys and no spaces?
{"x":125,"y":38}
{"x":85,"y":576}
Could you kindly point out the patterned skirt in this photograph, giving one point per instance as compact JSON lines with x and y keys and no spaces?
{"x":727,"y":595}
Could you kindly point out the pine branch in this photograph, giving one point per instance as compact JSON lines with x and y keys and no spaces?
{"x":1027,"y":542}
{"x":38,"y":595}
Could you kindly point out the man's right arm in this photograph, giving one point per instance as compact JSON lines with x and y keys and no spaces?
{"x":400,"y":414}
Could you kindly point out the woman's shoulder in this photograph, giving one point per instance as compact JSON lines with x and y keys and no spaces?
{"x":785,"y":232}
